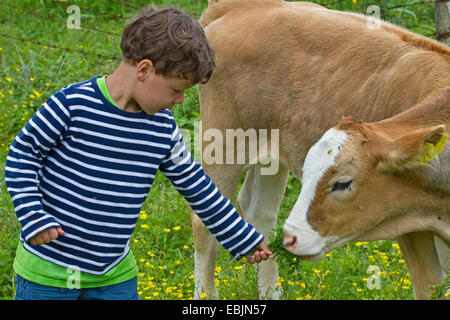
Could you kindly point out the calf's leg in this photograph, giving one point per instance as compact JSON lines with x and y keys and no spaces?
{"x":259,"y":201}
{"x":226,"y":178}
{"x":422,"y":259}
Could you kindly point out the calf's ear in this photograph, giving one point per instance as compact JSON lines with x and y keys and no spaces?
{"x":412,"y":149}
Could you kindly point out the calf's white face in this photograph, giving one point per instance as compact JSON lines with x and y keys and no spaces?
{"x":300,"y":237}
{"x":359,"y":180}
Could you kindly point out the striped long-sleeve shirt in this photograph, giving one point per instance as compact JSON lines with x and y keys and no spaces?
{"x":82,"y":164}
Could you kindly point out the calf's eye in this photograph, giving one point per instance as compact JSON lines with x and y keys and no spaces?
{"x":342,"y":185}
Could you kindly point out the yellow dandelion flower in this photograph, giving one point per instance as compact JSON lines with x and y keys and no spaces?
{"x":178,"y":262}
{"x":354,"y":1}
{"x":155,"y":294}
{"x":203,"y":295}
{"x":185,"y":247}
{"x":401,"y":261}
{"x":406,"y":282}
{"x":358,"y":244}
{"x":36,"y":93}
{"x":145,"y":226}
{"x":177,"y":228}
{"x":238,"y":267}
{"x":8,"y":79}
{"x":396,"y":246}
{"x":166,"y":230}
{"x":142,"y":215}
{"x":359,"y":290}
{"x":31,"y":79}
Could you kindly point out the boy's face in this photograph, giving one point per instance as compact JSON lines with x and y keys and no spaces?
{"x":155,"y":92}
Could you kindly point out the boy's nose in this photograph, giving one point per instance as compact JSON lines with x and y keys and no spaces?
{"x":179,"y":99}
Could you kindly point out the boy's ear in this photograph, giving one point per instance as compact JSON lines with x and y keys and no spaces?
{"x":412,"y":149}
{"x":144,"y":68}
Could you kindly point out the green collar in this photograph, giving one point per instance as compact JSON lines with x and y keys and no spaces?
{"x":101,"y":82}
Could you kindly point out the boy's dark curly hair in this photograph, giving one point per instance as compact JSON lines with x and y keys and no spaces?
{"x":172,"y":40}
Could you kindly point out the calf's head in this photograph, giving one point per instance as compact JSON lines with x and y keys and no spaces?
{"x":355,"y":181}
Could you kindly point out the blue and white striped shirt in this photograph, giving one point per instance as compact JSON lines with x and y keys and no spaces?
{"x":83,"y":164}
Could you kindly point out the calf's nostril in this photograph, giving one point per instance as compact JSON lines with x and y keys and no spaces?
{"x":289,"y":240}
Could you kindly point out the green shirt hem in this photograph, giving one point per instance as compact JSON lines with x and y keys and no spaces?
{"x":38,"y":270}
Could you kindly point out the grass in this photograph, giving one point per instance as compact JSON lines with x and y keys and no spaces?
{"x":33,"y":66}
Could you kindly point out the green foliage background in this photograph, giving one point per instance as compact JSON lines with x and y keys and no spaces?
{"x":34,"y":64}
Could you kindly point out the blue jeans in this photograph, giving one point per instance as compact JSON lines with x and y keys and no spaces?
{"x":27,"y":290}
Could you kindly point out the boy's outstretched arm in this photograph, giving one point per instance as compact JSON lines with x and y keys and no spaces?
{"x":217,"y":213}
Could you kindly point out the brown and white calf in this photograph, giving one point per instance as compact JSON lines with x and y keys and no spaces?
{"x":298,"y":67}
{"x":374,"y":181}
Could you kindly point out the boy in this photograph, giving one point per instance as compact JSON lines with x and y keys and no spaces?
{"x":80,"y":170}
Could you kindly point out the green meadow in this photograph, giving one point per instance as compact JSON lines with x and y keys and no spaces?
{"x":39,"y":55}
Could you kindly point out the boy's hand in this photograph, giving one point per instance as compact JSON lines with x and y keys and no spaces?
{"x":261,"y":252}
{"x":46,"y":236}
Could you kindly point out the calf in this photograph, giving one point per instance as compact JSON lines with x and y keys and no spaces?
{"x":297,"y":67}
{"x":372,"y":181}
